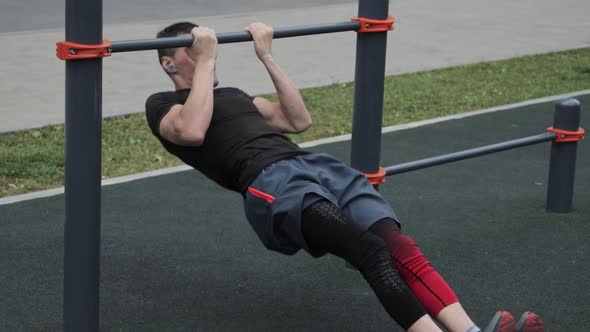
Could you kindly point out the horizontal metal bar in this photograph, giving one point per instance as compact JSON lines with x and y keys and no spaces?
{"x":232,"y":37}
{"x":466,"y":154}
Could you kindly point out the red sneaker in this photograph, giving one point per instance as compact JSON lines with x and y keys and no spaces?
{"x":503,"y":321}
{"x":530,"y":322}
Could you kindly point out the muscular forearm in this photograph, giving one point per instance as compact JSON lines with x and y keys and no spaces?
{"x":195,"y":114}
{"x":290,"y":99}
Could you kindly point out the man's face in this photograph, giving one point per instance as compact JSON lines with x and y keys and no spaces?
{"x":185,"y":66}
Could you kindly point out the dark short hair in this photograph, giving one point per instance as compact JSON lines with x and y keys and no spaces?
{"x":173,"y":30}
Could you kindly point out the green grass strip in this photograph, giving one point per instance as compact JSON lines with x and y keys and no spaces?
{"x":34,"y":159}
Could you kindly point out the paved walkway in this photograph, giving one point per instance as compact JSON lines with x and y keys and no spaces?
{"x":429,"y":34}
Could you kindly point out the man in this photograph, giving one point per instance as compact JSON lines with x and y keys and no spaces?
{"x":294,"y":199}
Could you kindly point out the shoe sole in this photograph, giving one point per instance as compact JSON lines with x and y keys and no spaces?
{"x":503,"y":321}
{"x":530,"y":322}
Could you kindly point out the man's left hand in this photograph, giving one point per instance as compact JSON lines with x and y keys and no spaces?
{"x":262,"y":35}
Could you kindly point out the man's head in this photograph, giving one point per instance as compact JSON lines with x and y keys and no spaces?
{"x":175,"y":62}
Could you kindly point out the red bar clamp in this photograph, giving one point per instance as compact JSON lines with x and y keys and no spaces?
{"x":72,"y":51}
{"x":372,"y":25}
{"x":376,"y":178}
{"x":566,"y":135}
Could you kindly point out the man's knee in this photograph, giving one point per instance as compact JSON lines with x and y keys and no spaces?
{"x":369,"y":250}
{"x":397,"y":242}
{"x":407,"y":257}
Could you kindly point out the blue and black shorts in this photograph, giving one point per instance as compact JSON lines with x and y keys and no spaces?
{"x":276,"y":198}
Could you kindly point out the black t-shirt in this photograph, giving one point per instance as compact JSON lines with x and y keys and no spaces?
{"x":238,"y":144}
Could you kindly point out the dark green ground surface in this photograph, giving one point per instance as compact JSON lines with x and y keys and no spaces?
{"x":178,"y":255}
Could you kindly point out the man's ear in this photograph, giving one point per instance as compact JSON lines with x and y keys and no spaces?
{"x":168,"y":65}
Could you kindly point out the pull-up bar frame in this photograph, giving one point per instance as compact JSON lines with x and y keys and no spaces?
{"x":84,"y":115}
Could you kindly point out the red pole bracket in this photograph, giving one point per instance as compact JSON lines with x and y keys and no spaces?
{"x":566,"y":135}
{"x":376,"y":178}
{"x":372,"y":25}
{"x":72,"y":51}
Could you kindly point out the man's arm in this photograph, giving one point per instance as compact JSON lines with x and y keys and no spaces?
{"x":290,"y":114}
{"x":187,"y":124}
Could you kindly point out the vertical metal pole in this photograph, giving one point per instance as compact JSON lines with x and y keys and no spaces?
{"x":562,"y":166}
{"x":82,"y":170}
{"x":368,"y":90}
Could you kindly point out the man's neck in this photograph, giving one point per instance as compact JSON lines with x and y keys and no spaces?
{"x":181,"y":86}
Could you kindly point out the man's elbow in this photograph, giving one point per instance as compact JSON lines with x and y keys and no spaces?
{"x":193,"y":139}
{"x":303,"y":126}
{"x":308,"y":123}
{"x":189,"y":137}
{"x":185,"y":133}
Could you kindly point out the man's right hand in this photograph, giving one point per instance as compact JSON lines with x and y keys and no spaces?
{"x":204,"y":44}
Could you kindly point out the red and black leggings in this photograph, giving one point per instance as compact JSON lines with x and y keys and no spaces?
{"x":391,"y":262}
